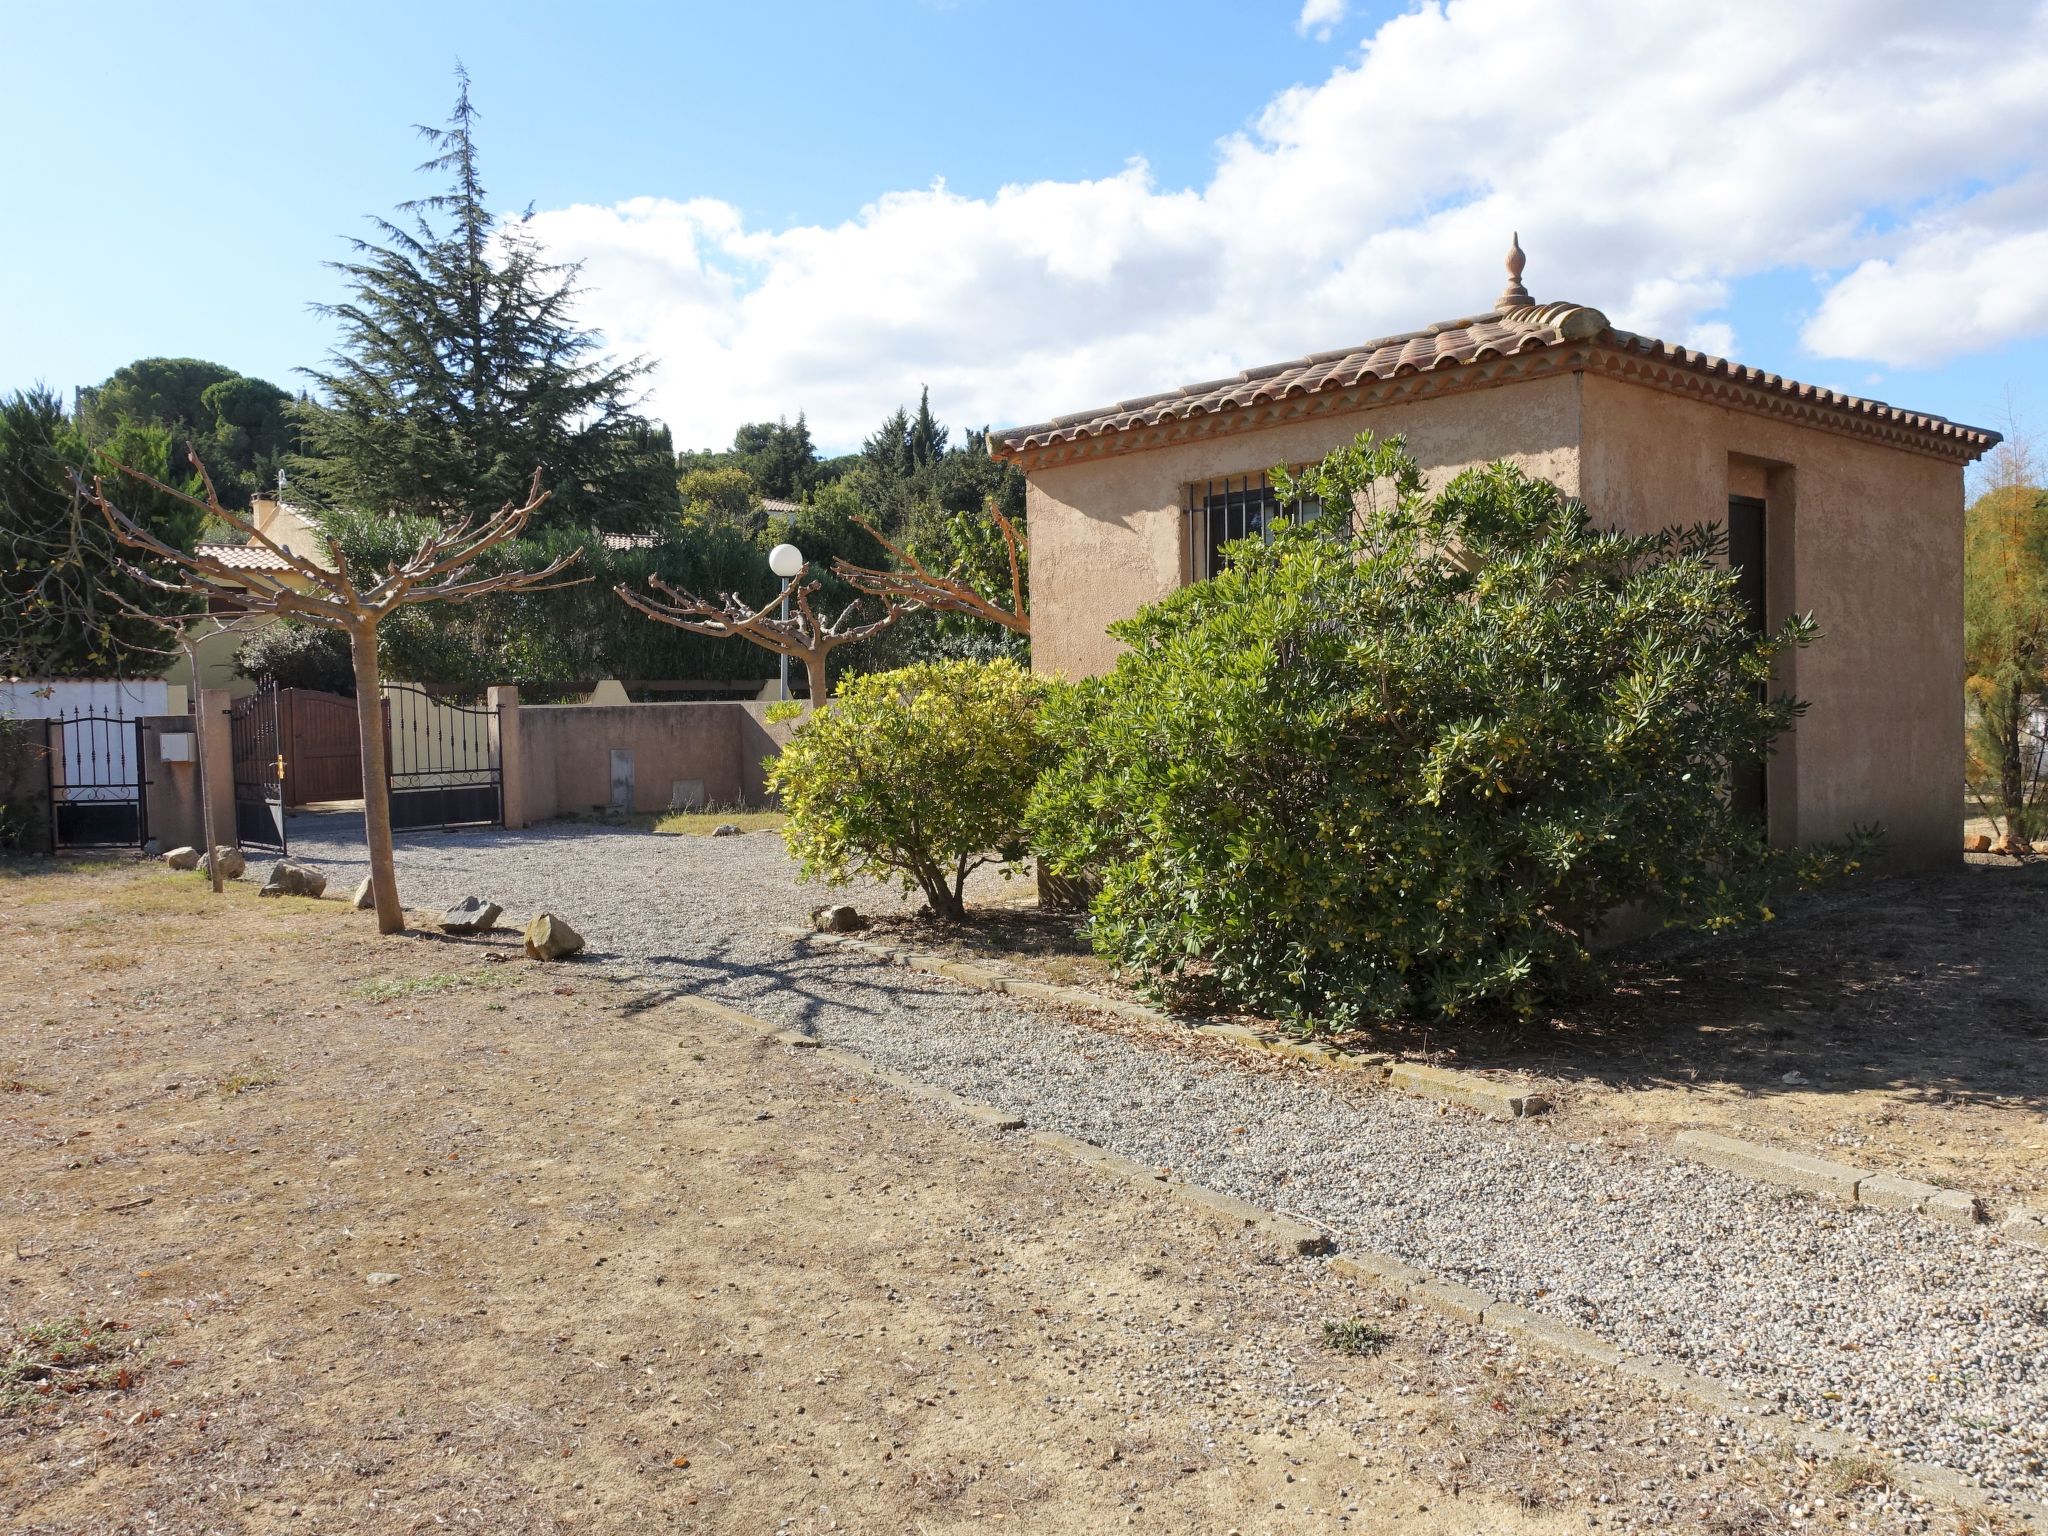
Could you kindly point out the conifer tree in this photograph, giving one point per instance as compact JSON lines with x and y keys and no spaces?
{"x":927,"y":437}
{"x":460,"y":369}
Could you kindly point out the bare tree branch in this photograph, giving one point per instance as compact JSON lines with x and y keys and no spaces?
{"x":917,"y":586}
{"x":801,"y":635}
{"x":344,"y":599}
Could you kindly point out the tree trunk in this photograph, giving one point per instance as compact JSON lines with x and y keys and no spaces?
{"x":815,"y":665}
{"x":206,"y":827}
{"x":2012,"y":768}
{"x":362,"y":644}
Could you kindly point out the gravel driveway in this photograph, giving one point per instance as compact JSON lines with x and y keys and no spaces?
{"x":1931,"y":1341}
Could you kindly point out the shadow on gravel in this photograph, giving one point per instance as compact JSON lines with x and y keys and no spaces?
{"x":796,"y":994}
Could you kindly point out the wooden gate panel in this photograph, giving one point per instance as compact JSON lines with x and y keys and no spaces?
{"x":323,"y":747}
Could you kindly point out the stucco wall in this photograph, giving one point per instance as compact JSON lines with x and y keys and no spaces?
{"x":1866,"y":537}
{"x":1106,"y":534}
{"x":566,"y":754}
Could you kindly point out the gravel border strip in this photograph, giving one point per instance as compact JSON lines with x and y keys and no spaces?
{"x":1462,"y":1303}
{"x":1855,"y":1186}
{"x":1500,"y":1101}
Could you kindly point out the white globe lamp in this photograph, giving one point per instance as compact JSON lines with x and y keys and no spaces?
{"x":787,"y":562}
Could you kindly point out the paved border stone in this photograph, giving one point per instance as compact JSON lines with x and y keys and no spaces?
{"x":1813,"y":1174}
{"x":1541,"y":1328}
{"x":1452,"y":1299}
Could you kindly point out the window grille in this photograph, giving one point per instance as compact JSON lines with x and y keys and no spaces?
{"x":1219,"y":512}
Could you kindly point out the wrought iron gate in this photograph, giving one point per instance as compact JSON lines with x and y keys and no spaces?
{"x":258,"y":747}
{"x":98,"y":792}
{"x":443,"y":761}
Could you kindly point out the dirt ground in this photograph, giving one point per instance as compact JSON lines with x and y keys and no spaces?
{"x":308,"y":1230}
{"x":1899,"y":1023}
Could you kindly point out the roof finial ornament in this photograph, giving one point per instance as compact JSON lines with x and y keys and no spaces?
{"x":1514,"y":296}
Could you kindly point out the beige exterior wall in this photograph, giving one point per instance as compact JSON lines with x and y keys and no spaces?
{"x":1869,"y":539}
{"x":565,"y":755}
{"x":1106,"y":534}
{"x":1866,"y":536}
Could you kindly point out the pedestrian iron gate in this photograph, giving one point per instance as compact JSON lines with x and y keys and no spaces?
{"x":443,"y":757}
{"x":98,"y":792}
{"x":258,"y":747}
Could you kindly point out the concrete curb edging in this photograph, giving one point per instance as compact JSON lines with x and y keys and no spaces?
{"x":1463,"y":1303}
{"x":1855,"y":1186}
{"x":1467,"y":1090}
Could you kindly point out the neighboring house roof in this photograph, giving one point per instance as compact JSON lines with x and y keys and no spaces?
{"x":1459,"y":352}
{"x":243,"y":557}
{"x":769,"y":504}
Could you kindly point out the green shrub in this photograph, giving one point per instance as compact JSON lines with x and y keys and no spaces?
{"x":1407,"y":760}
{"x":919,"y":775}
{"x":299,"y":656}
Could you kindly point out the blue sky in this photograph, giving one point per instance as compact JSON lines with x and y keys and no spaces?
{"x":1041,"y":207}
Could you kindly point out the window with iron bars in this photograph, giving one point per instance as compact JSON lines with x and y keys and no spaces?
{"x":1220,"y":512}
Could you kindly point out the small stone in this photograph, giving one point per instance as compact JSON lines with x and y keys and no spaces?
{"x":726,"y":829}
{"x":232,"y":864}
{"x":472,"y":914}
{"x":840,"y":919}
{"x":549,"y":938}
{"x":288,"y":879}
{"x":1794,"y":1079}
{"x":182,"y":858}
{"x":365,"y":898}
{"x":380,"y":1277}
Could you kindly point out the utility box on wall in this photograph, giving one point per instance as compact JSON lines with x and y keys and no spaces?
{"x":622,"y":778}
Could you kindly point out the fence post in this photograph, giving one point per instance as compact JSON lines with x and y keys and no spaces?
{"x":507,"y":743}
{"x":217,"y":772}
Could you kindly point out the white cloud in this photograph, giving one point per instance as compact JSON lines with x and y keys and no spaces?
{"x":1321,"y":17}
{"x":1956,"y":281}
{"x":1650,"y":156}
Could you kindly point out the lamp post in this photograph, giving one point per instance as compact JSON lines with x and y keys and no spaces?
{"x":787,"y":562}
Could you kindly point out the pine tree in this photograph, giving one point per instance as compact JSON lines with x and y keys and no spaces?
{"x":460,"y":370}
{"x":927,"y":437}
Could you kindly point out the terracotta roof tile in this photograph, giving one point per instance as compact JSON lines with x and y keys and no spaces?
{"x":243,"y":557}
{"x":1509,"y":331}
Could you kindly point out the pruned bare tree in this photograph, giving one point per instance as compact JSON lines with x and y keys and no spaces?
{"x":335,"y":596}
{"x":913,"y":583}
{"x":801,"y":635}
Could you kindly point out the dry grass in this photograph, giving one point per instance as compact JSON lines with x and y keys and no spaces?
{"x":654,"y":1272}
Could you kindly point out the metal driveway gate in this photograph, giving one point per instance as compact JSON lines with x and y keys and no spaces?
{"x":259,"y":770}
{"x":443,"y":761}
{"x":98,"y":793}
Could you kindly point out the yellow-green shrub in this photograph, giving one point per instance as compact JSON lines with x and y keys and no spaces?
{"x":919,"y":775}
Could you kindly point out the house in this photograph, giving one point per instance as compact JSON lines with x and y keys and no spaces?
{"x":1842,"y":506}
{"x":289,"y":529}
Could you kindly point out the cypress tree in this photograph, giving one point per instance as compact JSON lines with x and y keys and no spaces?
{"x":460,"y":369}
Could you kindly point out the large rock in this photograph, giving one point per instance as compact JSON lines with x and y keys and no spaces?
{"x":288,"y":879}
{"x":549,"y":938}
{"x":1977,"y":842}
{"x":182,"y":858}
{"x":840,"y":919}
{"x":472,"y":914}
{"x":365,"y":898}
{"x":232,"y":864}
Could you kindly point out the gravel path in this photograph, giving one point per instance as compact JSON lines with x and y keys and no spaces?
{"x":1926,"y":1339}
